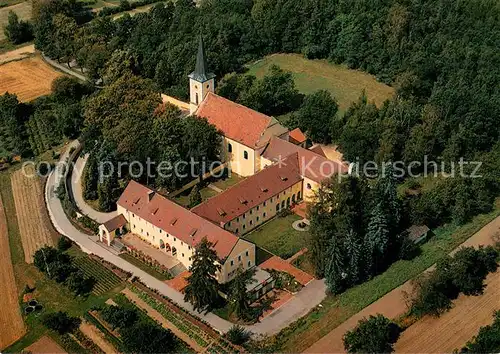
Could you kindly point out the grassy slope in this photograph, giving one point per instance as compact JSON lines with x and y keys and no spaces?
{"x":336,"y":309}
{"x":311,"y":75}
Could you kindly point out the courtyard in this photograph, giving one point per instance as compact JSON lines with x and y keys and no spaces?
{"x":279,"y":237}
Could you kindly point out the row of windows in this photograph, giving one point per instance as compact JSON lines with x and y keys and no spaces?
{"x":230,"y":149}
{"x":239,"y":259}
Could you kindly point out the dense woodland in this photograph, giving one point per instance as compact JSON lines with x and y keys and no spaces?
{"x":442,"y":57}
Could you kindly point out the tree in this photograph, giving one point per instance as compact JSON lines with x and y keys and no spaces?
{"x":469,"y":267}
{"x":360,"y":134}
{"x":55,"y":264}
{"x":13,"y":115}
{"x":239,"y":299}
{"x":377,"y":239}
{"x":238,"y":335}
{"x":90,"y":178}
{"x":63,"y":37}
{"x":64,"y":243}
{"x":119,"y":316}
{"x":123,"y":111}
{"x":335,"y":270}
{"x":376,"y":334}
{"x":317,"y":112}
{"x":148,"y":337}
{"x":432,"y":295}
{"x":202,"y":289}
{"x":17,"y":31}
{"x":195,"y":197}
{"x":60,"y":322}
{"x":79,"y":284}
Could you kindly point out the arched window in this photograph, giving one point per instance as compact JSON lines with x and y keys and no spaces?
{"x":309,"y":186}
{"x":288,"y":202}
{"x":196,"y":98}
{"x":229,"y":147}
{"x":245,"y":155}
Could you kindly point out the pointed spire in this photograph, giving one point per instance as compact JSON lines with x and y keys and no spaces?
{"x":200,"y":71}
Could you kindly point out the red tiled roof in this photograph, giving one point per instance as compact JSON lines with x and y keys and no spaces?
{"x":250,"y":192}
{"x":312,"y":165}
{"x":297,"y":135}
{"x":319,"y":150}
{"x":174,"y":219}
{"x":115,"y":223}
{"x":281,"y":265}
{"x":237,"y":122}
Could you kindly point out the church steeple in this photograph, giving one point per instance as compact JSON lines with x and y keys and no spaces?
{"x":201,"y":82}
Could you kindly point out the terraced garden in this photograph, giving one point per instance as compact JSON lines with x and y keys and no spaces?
{"x":210,"y":343}
{"x":106,"y":280}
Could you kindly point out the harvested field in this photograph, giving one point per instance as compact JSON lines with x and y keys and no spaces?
{"x":454,"y":328}
{"x":23,"y":10}
{"x":34,"y":225}
{"x":45,"y":345}
{"x":97,"y":337}
{"x":17,"y":54}
{"x":11,"y":322}
{"x":28,"y":78}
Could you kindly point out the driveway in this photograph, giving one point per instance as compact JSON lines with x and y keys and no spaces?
{"x":301,"y":304}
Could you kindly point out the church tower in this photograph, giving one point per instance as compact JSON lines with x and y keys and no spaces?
{"x":200,"y":81}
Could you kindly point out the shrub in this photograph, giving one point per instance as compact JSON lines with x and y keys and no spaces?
{"x":64,"y":243}
{"x":376,"y":334}
{"x":61,"y":322}
{"x":238,"y":335}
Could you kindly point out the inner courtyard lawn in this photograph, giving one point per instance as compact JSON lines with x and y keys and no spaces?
{"x":344,"y":84}
{"x":279,"y":237}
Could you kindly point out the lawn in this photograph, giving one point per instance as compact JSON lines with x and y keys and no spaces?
{"x":227,"y":182}
{"x":345,"y":85}
{"x":277,"y":236}
{"x":183,"y":198}
{"x":336,"y":309}
{"x":52,"y":296}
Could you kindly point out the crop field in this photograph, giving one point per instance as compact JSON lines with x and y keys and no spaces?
{"x":11,"y":322}
{"x":344,"y":84}
{"x":34,"y":225}
{"x":454,"y":328}
{"x":106,"y":279}
{"x":28,"y":79}
{"x":23,"y":10}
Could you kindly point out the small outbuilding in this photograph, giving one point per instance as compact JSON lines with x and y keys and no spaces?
{"x":297,"y":137}
{"x":112,"y":228}
{"x":419,"y":233}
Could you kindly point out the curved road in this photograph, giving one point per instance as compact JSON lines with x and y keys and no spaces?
{"x":297,"y":307}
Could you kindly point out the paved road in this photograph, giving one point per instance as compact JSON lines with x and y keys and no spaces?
{"x":76,"y":186}
{"x":392,"y":305}
{"x":301,"y":304}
